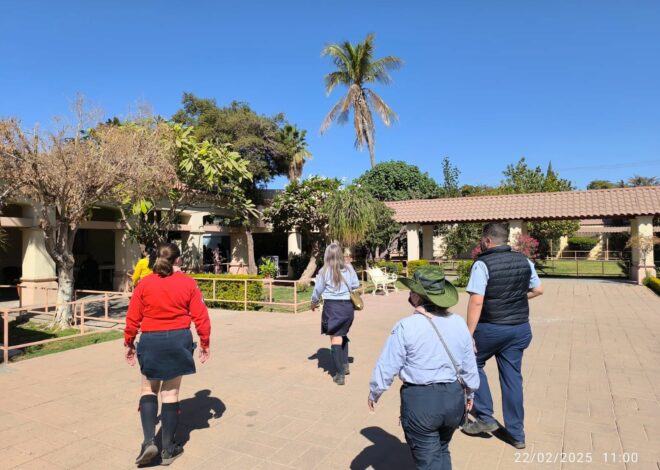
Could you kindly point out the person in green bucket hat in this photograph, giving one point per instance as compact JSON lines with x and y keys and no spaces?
{"x":431,"y":352}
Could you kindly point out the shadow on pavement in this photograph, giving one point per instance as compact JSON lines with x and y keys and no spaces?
{"x":386,"y":453}
{"x":324,"y":358}
{"x":196,"y":413}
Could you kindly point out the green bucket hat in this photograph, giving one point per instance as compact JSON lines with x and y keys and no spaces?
{"x":429,"y":282}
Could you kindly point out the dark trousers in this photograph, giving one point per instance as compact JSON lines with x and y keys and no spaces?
{"x":506,"y":343}
{"x":429,"y":416}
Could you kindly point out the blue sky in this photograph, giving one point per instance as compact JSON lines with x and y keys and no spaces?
{"x":484,"y":82}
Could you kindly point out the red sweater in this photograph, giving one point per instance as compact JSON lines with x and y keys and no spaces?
{"x":167,"y":303}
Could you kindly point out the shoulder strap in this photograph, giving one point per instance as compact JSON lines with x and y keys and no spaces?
{"x":451,"y":357}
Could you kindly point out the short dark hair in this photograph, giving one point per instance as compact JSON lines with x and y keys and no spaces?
{"x":496,"y":231}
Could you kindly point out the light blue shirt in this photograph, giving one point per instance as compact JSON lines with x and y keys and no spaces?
{"x":324,"y":289}
{"x":414,"y":353}
{"x":479,"y":278}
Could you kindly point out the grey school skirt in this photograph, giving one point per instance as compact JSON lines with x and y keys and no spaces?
{"x":337,"y":317}
{"x":164,"y":355}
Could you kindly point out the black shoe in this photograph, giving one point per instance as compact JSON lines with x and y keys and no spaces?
{"x":479,"y":427}
{"x":169,"y":456}
{"x":518,"y":444}
{"x":339,"y":379}
{"x":148,"y":452}
{"x":347,"y":370}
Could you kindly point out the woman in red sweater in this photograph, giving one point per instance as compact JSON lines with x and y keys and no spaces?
{"x":162,"y":307}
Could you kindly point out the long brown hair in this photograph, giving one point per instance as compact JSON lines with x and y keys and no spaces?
{"x":167,"y":256}
{"x":333,"y":263}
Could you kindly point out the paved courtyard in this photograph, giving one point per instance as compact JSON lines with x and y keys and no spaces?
{"x":265,"y":399}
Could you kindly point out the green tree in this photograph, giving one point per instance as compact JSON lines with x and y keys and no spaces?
{"x":296,"y":144}
{"x":639,"y":180}
{"x":258,"y":139}
{"x":301,"y":207}
{"x":377,"y":241}
{"x":351,"y":215}
{"x":601,"y":184}
{"x":398,"y":181}
{"x":461,"y":238}
{"x":355,"y":68}
{"x":520,"y":178}
{"x":450,"y":175}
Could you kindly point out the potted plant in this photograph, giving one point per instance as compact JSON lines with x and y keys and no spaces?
{"x":268,"y":269}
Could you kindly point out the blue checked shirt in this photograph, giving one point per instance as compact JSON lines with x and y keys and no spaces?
{"x":414,"y":353}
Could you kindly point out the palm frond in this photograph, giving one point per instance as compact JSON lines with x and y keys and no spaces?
{"x":383,"y":110}
{"x":339,"y":109}
{"x":379,"y":70}
{"x":340,"y":77}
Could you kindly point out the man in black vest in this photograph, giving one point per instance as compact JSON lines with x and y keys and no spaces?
{"x":501,"y":283}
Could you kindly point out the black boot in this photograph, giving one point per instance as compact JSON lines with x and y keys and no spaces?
{"x":344,"y":348}
{"x":338,"y":359}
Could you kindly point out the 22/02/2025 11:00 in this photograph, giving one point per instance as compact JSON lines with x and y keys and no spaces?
{"x":575,"y":457}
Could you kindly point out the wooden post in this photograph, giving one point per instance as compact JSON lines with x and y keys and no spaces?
{"x":82,"y":317}
{"x":47,"y":309}
{"x":105,"y":303}
{"x":5,"y":339}
{"x":295,"y":296}
{"x":214,"y":288}
{"x":245,"y":295}
{"x":270,"y":290}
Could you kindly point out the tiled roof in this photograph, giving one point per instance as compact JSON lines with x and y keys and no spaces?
{"x":619,"y":202}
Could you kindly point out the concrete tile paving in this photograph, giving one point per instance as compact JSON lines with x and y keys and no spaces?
{"x":266,"y":400}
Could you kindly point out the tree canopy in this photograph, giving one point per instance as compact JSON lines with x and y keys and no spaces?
{"x":398,"y":181}
{"x":257,"y":138}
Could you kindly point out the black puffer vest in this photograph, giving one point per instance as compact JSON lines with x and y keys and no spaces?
{"x":505,"y":301}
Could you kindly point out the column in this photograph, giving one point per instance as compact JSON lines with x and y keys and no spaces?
{"x":641,"y":241}
{"x":427,"y":242}
{"x":516,"y":228}
{"x":127,"y":253}
{"x":39,"y":276}
{"x":412,"y":231}
{"x":294,"y":243}
{"x":194,"y":242}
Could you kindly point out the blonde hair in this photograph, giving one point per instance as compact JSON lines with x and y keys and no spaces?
{"x":167,"y":256}
{"x":333,"y":264}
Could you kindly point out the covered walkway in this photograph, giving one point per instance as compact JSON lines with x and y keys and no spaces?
{"x":639,"y":205}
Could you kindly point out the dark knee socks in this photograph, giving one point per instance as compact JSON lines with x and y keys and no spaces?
{"x":148,"y":412}
{"x":169,"y":418}
{"x":338,"y":358}
{"x":344,"y":348}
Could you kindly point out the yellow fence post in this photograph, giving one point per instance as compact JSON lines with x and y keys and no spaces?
{"x":213,"y":289}
{"x":105,"y":301}
{"x":5,"y":339}
{"x":245,"y":295}
{"x":295,"y":297}
{"x":82,"y":318}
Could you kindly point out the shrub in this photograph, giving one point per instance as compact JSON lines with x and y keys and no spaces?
{"x":463,"y":273}
{"x":528,"y":246}
{"x":229,"y":290}
{"x":394,"y":267}
{"x":415,"y":265}
{"x":581,"y":243}
{"x":297,"y":264}
{"x":652,"y":283}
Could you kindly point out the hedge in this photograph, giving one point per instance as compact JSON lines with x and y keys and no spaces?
{"x":230,"y":290}
{"x":415,"y":265}
{"x":463,"y":273}
{"x":581,"y":243}
{"x":652,"y":283}
{"x":394,"y":267}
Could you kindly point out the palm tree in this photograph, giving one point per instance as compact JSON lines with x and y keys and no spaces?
{"x":294,"y":139}
{"x":356,"y":67}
